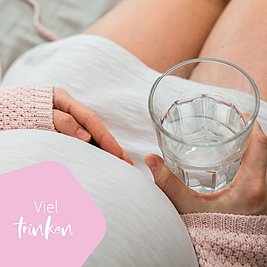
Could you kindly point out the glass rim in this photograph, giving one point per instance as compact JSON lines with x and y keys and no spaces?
{"x":247,"y":127}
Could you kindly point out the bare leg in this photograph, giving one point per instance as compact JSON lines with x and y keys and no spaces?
{"x":240,"y":36}
{"x":160,"y":33}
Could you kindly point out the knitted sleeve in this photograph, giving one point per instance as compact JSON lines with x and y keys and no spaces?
{"x":26,"y":107}
{"x":228,"y":240}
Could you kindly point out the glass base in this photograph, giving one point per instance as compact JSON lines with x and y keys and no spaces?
{"x":204,"y":181}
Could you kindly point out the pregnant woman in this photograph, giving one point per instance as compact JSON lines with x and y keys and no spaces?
{"x":110,"y":69}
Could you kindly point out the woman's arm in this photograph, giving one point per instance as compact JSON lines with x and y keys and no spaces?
{"x":222,"y":237}
{"x":48,"y":108}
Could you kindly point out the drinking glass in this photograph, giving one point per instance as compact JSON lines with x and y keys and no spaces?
{"x":203,"y":111}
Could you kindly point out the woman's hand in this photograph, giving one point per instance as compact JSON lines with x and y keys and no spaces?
{"x":246,"y":194}
{"x":74,"y":119}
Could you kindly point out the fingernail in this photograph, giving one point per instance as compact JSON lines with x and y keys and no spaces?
{"x":151,"y":163}
{"x":83,"y":134}
{"x":126,"y":157}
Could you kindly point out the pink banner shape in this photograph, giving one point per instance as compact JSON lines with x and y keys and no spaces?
{"x":47,"y":219}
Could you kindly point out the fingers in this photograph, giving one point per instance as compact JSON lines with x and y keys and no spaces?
{"x":250,"y":180}
{"x":255,"y":157}
{"x":90,"y":121}
{"x":183,"y":198}
{"x":66,"y":124}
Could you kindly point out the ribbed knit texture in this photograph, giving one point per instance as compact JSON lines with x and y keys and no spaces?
{"x":228,"y":240}
{"x":26,"y":107}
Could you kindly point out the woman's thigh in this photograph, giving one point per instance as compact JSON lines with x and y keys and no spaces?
{"x":160,"y":33}
{"x":240,"y":36}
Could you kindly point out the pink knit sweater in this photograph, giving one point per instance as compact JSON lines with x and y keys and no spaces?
{"x":218,"y":239}
{"x":228,"y":240}
{"x":26,"y":107}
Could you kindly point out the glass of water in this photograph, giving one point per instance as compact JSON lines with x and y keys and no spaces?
{"x":203,"y":111}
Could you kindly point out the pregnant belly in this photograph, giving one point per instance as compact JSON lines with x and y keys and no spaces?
{"x":135,"y":210}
